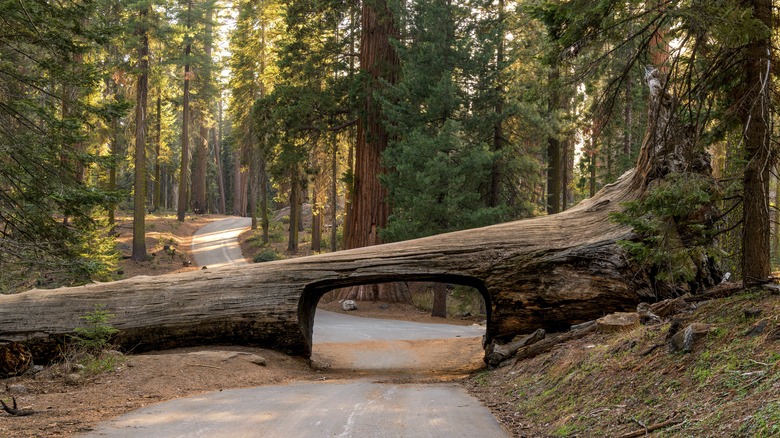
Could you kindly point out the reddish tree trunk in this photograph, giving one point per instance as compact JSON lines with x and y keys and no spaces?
{"x":439,"y":300}
{"x":379,"y":60}
{"x":369,"y":209}
{"x":755,"y":117}
{"x":142,"y":89}
{"x":181,"y":209}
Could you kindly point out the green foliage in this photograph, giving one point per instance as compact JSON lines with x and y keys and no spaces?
{"x":675,"y":233}
{"x":95,"y":336}
{"x":267,"y":255}
{"x":439,"y":153}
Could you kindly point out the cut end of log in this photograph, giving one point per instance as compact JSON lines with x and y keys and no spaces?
{"x":618,"y":322}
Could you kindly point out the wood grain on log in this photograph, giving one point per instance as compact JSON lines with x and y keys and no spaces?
{"x":545,"y":272}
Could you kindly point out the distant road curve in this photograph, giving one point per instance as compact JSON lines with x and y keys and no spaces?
{"x":216,"y":244}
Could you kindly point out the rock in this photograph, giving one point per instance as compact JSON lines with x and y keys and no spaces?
{"x":752,"y":312}
{"x":384,"y":306}
{"x":617,"y":322}
{"x":757,"y":329}
{"x":348,"y":305}
{"x":255,"y":359}
{"x":77,"y":367}
{"x":17,"y":388}
{"x":203,"y":268}
{"x":686,"y":340}
{"x":74,"y":379}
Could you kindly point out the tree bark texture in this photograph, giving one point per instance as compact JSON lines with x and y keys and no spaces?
{"x":218,"y":160}
{"x":181,"y":208}
{"x":379,"y":61}
{"x":139,"y":183}
{"x":755,"y":116}
{"x":157,"y":189}
{"x":548,"y":273}
{"x":201,"y":158}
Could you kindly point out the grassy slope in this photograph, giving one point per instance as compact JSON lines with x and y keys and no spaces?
{"x":609,"y":385}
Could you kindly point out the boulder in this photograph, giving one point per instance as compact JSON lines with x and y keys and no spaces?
{"x":348,"y":305}
{"x":687,"y":339}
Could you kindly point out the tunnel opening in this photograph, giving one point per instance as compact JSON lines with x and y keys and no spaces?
{"x":385,"y":333}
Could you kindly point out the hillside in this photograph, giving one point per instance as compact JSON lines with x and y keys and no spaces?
{"x":619,"y":384}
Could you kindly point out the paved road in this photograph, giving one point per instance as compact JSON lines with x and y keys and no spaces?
{"x":360,"y":408}
{"x":216,"y":244}
{"x":356,"y":409}
{"x":337,"y":327}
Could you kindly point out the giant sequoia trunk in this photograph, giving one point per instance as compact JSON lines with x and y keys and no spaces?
{"x":548,"y":272}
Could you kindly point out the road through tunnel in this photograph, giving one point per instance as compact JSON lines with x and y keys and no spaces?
{"x":398,"y":330}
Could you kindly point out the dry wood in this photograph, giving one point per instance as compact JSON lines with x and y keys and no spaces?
{"x":548,"y":343}
{"x":720,"y":291}
{"x":15,"y":411}
{"x":651,"y":428}
{"x":501,"y":352}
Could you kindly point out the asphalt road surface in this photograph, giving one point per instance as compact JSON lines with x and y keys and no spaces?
{"x":358,"y":408}
{"x":216,"y":244}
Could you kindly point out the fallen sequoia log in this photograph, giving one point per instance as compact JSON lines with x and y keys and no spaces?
{"x":542,"y":273}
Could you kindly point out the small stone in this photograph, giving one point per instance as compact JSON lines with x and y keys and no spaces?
{"x":384,"y":306}
{"x":130,"y":364}
{"x":348,"y":305}
{"x":203,"y":268}
{"x":77,"y":367}
{"x":74,"y":379}
{"x":257,"y":360}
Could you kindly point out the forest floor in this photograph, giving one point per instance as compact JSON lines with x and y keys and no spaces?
{"x":619,"y":384}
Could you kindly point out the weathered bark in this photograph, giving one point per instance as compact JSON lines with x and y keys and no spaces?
{"x":549,"y":272}
{"x":543,"y":346}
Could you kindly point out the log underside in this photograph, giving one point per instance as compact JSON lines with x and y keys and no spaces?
{"x":548,"y":272}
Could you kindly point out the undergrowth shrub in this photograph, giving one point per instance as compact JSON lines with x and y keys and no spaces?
{"x":675,"y":227}
{"x":90,"y":347}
